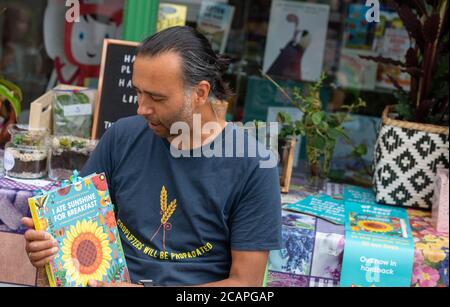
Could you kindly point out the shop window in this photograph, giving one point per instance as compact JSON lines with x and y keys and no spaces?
{"x":40,"y":48}
{"x":23,"y":59}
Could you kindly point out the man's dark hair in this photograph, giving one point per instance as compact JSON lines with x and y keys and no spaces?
{"x":200,"y":62}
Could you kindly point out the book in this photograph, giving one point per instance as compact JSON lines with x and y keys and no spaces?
{"x":392,"y":41}
{"x":80,"y":217}
{"x":379,"y":246}
{"x":359,"y":33}
{"x":296,"y":40}
{"x":355,"y":72}
{"x":214,"y":22}
{"x":171,"y":15}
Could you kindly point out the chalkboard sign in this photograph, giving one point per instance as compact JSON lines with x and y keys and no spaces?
{"x":116,"y":97}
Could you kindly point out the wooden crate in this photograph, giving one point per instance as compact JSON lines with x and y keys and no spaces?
{"x":41,"y":109}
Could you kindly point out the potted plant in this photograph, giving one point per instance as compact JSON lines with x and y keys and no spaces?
{"x":413,"y":140}
{"x":68,"y":153}
{"x":320,"y":128}
{"x":26,"y":153}
{"x":10,"y":107}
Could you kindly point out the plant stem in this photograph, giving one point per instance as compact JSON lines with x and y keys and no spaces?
{"x":429,"y":62}
{"x":285,"y":94}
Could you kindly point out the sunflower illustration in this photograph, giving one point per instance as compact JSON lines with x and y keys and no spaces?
{"x":375,"y":226}
{"x":86,"y":252}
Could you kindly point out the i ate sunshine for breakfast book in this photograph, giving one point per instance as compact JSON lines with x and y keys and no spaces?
{"x":81,"y":218}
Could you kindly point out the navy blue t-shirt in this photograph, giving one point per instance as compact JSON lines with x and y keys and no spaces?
{"x":179,"y":218}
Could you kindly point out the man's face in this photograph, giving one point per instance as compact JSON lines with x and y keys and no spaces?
{"x":161,"y":92}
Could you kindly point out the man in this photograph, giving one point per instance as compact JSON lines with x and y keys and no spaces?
{"x":207,"y":221}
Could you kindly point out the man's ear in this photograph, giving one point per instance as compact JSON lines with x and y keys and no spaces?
{"x":201,"y":94}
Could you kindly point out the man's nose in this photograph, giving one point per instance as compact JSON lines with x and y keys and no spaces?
{"x":145,"y":109}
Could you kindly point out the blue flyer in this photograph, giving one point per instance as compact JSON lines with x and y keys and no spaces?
{"x":322,"y":206}
{"x":379,"y":246}
{"x":359,"y":195}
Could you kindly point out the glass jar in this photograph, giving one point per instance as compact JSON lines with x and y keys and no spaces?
{"x":26,"y":155}
{"x":69,"y":153}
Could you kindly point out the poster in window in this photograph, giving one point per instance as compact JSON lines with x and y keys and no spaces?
{"x":355,"y":72}
{"x":358,"y":33}
{"x":393,"y":42}
{"x":296,"y":40}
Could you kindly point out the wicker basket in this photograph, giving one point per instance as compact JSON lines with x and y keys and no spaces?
{"x":407,"y":157}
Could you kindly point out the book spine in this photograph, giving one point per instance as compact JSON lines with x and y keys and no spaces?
{"x":38,"y":226}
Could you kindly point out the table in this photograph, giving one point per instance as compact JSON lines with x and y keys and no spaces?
{"x":313,"y":248}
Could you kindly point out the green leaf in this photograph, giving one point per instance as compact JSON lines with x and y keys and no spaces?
{"x":17,"y":92}
{"x":318,"y":142}
{"x":335,"y":133}
{"x":318,"y":117}
{"x":9,"y":95}
{"x":333,"y":121}
{"x":324,"y":125}
{"x":82,"y":98}
{"x":64,"y":99}
{"x":64,"y":143}
{"x":360,"y":151}
{"x":18,"y":139}
{"x":404,"y":109}
{"x":284,"y":117}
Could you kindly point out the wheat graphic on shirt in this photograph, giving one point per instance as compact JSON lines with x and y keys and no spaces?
{"x":166,"y":212}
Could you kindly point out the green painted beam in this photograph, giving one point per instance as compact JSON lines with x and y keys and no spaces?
{"x":140,"y":19}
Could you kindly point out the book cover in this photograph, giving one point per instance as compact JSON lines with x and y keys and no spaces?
{"x":214,"y":21}
{"x":355,"y":72}
{"x":171,"y":15}
{"x":81,"y":218}
{"x":392,"y":41}
{"x":379,"y":246}
{"x":296,"y":40}
{"x":359,"y":33}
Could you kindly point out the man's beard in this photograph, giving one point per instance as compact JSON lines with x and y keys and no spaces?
{"x":185,"y":115}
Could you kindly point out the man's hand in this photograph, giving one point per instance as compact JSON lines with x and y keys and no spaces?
{"x":101,"y":284}
{"x":40,"y":246}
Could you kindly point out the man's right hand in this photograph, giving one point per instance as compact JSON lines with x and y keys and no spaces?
{"x":40,"y":245}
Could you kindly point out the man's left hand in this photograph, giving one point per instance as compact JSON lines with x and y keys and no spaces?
{"x":101,"y":284}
